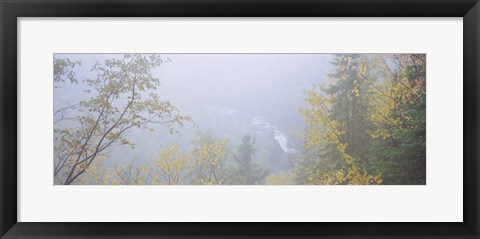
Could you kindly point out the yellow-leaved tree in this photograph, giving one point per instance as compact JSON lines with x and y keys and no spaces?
{"x":337,"y":128}
{"x":398,"y":114}
{"x":171,"y":165}
{"x":121,"y":96}
{"x":208,"y":159}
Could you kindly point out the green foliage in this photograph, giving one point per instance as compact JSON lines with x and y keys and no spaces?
{"x":63,"y":70}
{"x":249,"y":172}
{"x":400,"y":139}
{"x":338,"y":126}
{"x":350,"y":97}
{"x":368,"y":125}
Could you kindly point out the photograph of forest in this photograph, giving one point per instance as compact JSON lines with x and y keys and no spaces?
{"x":239,"y":119}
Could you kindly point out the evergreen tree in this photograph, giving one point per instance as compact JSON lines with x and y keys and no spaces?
{"x":338,"y":134}
{"x":248,"y":171}
{"x":400,"y":120}
{"x":350,"y":96}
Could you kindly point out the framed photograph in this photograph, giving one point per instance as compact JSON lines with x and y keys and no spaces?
{"x":239,"y":119}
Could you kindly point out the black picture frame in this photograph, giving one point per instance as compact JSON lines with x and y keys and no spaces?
{"x":10,"y":10}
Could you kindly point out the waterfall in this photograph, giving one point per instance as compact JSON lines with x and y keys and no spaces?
{"x":280,"y":137}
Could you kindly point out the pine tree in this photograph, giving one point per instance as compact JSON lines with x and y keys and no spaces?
{"x":338,"y":133}
{"x":248,"y":171}
{"x":400,"y":120}
{"x":350,"y":99}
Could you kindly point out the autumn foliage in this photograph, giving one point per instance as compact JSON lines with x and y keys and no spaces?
{"x":364,"y":125}
{"x":367,"y":125}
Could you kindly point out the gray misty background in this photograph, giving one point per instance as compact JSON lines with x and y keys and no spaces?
{"x":229,"y":94}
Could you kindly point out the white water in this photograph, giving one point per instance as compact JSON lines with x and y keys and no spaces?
{"x":280,"y":137}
